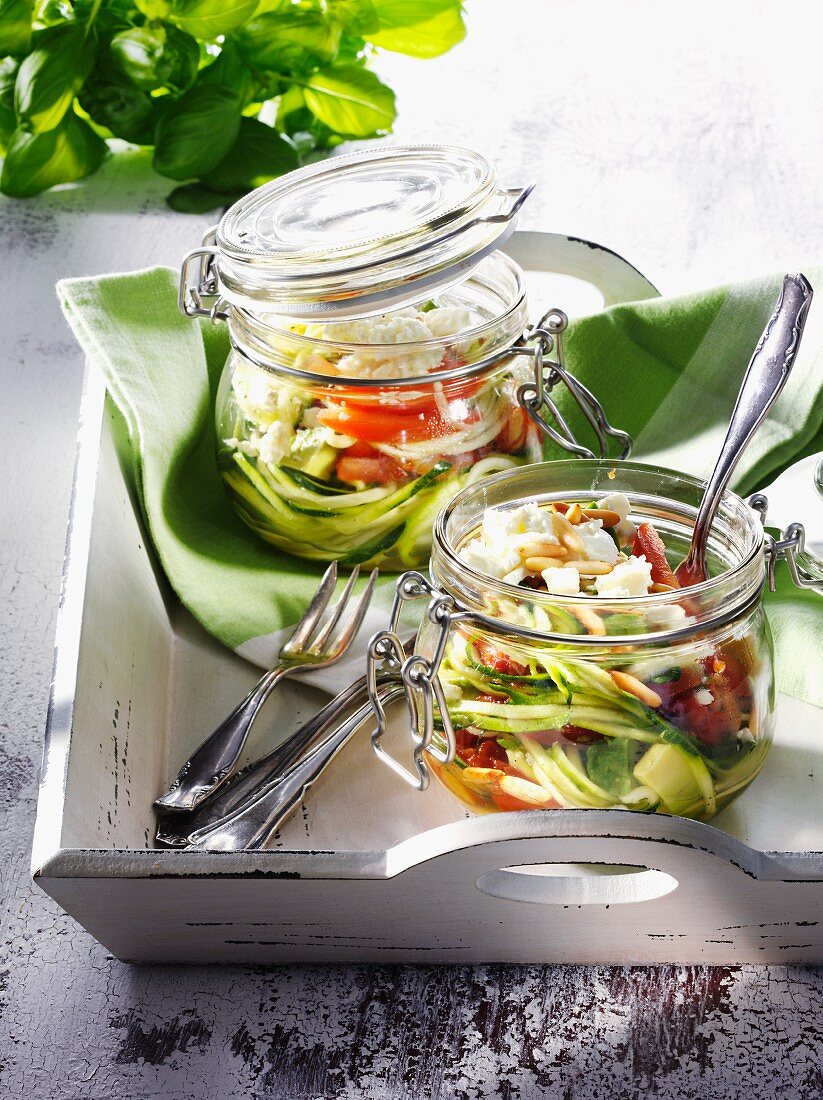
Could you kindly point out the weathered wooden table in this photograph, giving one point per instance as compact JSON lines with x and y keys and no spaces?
{"x":689,"y":140}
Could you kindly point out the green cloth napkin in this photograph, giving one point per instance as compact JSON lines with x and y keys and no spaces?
{"x":667,"y":370}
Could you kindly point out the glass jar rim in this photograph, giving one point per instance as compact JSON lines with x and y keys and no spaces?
{"x":248,"y":332}
{"x":447,"y":566}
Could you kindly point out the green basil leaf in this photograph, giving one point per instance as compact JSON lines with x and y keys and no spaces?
{"x":296,"y":38}
{"x":51,"y":75}
{"x":258,"y":155}
{"x":157,"y":57}
{"x":105,"y":19}
{"x":230,"y":71}
{"x":122,"y":108}
{"x":421,"y":28}
{"x":208,"y":19}
{"x":35,"y":162}
{"x":350,"y":101}
{"x":292,"y":113}
{"x":196,"y":198}
{"x":48,"y":13}
{"x":356,"y":16}
{"x":196,"y":132}
{"x":352,"y":49}
{"x":15,"y":26}
{"x":154,"y":9}
{"x":8,"y":119}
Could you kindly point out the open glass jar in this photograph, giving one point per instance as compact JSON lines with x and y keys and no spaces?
{"x":523,"y":699}
{"x":337,"y":446}
{"x":381,"y":358}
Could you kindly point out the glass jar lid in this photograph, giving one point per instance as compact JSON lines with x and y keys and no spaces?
{"x":358,"y":234}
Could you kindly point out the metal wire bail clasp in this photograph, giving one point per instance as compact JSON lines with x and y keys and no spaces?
{"x":418,"y":675}
{"x":535,"y":397}
{"x":198,"y":294}
{"x":805,"y":569}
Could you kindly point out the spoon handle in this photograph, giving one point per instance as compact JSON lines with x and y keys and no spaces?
{"x":765,"y":377}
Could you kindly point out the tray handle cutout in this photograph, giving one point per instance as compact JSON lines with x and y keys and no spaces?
{"x":576,"y":883}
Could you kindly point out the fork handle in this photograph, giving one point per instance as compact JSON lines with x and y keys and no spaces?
{"x":251,"y":826}
{"x":210,"y":764}
{"x":246,"y":785}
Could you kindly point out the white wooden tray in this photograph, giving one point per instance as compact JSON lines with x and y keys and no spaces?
{"x":369,"y":870}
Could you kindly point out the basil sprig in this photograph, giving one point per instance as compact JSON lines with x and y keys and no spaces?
{"x":230,"y":93}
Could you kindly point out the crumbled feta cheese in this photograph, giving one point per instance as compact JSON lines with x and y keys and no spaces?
{"x":451,"y":692}
{"x":667,"y":617}
{"x":401,"y":327}
{"x":598,"y":544}
{"x":745,"y":736}
{"x":628,"y":578}
{"x":561,"y":581}
{"x":616,"y":502}
{"x":398,"y":336}
{"x":275,"y":443}
{"x":516,"y":575}
{"x":620,"y":503}
{"x":244,"y":446}
{"x":385,"y":364}
{"x":263,"y":398}
{"x":448,"y":322}
{"x":703,"y":696}
{"x":494,"y":561}
{"x":529,"y":520}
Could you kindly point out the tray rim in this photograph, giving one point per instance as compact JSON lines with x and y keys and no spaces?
{"x":51,"y":860}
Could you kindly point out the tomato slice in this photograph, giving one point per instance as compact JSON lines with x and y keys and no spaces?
{"x":380,"y":426}
{"x":401,"y":401}
{"x":498,"y":660}
{"x":580,"y":735}
{"x":490,"y":755}
{"x":376,"y":470}
{"x":359,"y":449}
{"x":648,"y":542}
{"x":466,"y":744}
{"x":708,"y":722}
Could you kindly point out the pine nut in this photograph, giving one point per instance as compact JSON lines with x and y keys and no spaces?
{"x":524,"y":790}
{"x":538,"y":564}
{"x":567,"y":534}
{"x":659,"y":587}
{"x":590,"y":619}
{"x":591,"y":568}
{"x":542,"y":550}
{"x":608,"y":517}
{"x":628,"y":683}
{"x":574,"y":514}
{"x":482,"y":780}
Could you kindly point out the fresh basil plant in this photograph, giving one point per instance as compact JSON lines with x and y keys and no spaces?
{"x":230,"y":93}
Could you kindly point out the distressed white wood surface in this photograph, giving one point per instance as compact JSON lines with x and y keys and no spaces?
{"x":689,"y":139}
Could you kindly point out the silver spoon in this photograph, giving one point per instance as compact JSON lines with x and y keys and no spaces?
{"x":764,"y":379}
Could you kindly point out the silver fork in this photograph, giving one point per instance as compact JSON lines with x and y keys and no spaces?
{"x":315,"y":643}
{"x":250,"y":826}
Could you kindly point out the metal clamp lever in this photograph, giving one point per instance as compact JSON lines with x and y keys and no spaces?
{"x":536,"y":396}
{"x":805,"y":569}
{"x":198,"y":293}
{"x":421,"y":684}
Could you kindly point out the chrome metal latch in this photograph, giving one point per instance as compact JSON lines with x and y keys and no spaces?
{"x":536,"y":399}
{"x":198,"y":294}
{"x":418,"y":675}
{"x":805,"y":569}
